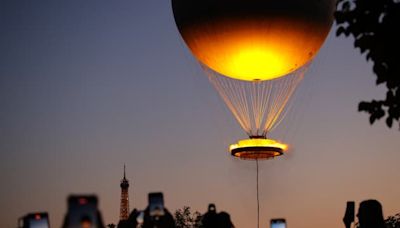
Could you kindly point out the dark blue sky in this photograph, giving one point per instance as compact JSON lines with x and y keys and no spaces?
{"x":86,"y":86}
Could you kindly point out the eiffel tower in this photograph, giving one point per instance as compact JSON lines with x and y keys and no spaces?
{"x":124,"y":208}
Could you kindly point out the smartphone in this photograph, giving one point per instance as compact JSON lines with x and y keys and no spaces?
{"x":82,"y":212}
{"x":278,"y":223}
{"x":156,"y":204}
{"x":35,"y":220}
{"x":349,"y":214}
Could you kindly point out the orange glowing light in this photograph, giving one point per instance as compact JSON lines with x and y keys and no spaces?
{"x":86,"y":224}
{"x":257,"y":148}
{"x":254,"y":39}
{"x":250,"y":51}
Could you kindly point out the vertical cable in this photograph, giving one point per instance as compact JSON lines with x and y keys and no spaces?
{"x":258,"y":200}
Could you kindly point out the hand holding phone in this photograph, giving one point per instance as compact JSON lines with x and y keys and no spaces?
{"x":82,"y":212}
{"x":349,"y":214}
{"x":35,"y":220}
{"x":156,"y":204}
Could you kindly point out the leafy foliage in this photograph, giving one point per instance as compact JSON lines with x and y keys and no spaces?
{"x":374,"y":25}
{"x":186,"y":219}
{"x":393,"y":221}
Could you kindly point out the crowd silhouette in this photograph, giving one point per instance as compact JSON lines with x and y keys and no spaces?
{"x":370,"y":215}
{"x":83,"y":213}
{"x":211,"y":219}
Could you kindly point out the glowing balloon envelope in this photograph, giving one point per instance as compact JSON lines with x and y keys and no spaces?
{"x":254,"y":53}
{"x":254,"y":39}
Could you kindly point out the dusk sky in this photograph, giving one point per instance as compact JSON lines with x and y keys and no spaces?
{"x":87,"y":86}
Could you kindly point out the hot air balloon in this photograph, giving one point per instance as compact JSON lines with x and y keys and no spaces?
{"x":255,"y":53}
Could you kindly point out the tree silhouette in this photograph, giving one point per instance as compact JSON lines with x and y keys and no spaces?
{"x":374,"y":25}
{"x":186,"y":219}
{"x":393,"y":221}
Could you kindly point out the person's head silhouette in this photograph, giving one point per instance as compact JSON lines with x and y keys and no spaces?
{"x":212,"y":208}
{"x":370,"y":214}
{"x":210,"y":219}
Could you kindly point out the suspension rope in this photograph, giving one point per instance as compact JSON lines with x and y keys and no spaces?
{"x":258,"y":200}
{"x":258,"y":106}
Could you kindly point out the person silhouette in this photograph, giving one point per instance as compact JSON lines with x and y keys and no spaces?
{"x":224,"y":220}
{"x":165,"y":221}
{"x":210,"y":219}
{"x":147,"y":221}
{"x":370,"y":214}
{"x":131,"y":221}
